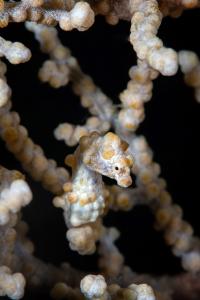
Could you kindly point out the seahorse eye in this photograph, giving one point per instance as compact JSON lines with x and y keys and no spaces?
{"x":116,"y":168}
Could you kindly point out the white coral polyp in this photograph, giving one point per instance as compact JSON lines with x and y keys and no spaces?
{"x":11,"y":285}
{"x":12,"y":198}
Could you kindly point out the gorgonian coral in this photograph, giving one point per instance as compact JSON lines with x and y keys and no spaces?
{"x":106,"y":145}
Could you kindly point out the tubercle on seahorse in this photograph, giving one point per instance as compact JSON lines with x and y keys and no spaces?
{"x":84,"y":198}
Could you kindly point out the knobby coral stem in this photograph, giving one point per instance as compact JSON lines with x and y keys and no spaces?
{"x":81,"y":16}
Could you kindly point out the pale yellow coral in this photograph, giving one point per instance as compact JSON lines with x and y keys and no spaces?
{"x":80,"y":16}
{"x":11,"y":285}
{"x":31,"y":155}
{"x":145,"y":22}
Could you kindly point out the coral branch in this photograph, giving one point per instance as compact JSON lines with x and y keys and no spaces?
{"x":16,"y":53}
{"x":145,"y":22}
{"x":81,"y":16}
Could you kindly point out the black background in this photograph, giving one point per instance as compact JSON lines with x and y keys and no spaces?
{"x":171,"y":127}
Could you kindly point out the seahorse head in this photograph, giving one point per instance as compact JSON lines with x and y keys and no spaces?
{"x":107,"y":155}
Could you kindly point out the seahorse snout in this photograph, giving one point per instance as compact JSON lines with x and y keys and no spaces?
{"x":124,"y":181}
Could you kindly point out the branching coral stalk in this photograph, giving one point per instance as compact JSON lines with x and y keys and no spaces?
{"x":14,"y":193}
{"x":138,"y":91}
{"x":31,"y":155}
{"x":145,"y":22}
{"x":81,"y":16}
{"x":16,"y":250}
{"x":178,"y":233}
{"x":17,"y":255}
{"x":37,"y":272}
{"x":56,"y":70}
{"x":15,"y":53}
{"x":91,"y":96}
